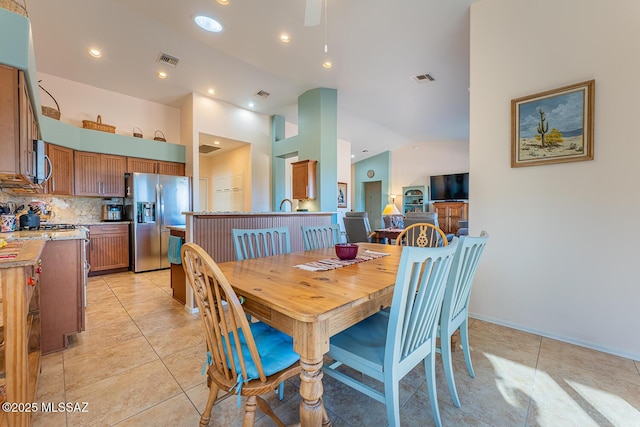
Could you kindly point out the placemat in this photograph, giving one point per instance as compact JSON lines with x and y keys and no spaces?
{"x":333,"y":263}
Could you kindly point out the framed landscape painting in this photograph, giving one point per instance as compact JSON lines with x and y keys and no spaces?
{"x":555,"y":126}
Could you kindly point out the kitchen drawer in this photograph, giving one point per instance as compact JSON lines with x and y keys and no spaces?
{"x":108,"y":229}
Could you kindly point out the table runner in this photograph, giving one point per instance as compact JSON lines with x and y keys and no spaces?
{"x":335,"y":262}
{"x":10,"y":250}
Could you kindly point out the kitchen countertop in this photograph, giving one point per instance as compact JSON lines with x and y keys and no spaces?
{"x":74,"y":234}
{"x":256,"y":213}
{"x":86,"y":224}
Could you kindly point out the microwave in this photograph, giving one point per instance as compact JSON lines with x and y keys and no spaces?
{"x":40,"y":175}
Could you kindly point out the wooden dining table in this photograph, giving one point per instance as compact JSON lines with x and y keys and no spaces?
{"x":312,"y":306}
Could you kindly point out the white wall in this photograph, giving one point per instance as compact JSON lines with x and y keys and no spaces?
{"x":415,"y":163}
{"x":226,"y":164}
{"x":80,"y":102}
{"x":225,"y":120}
{"x":562,"y":259}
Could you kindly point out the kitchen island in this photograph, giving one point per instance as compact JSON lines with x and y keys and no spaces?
{"x":212,"y":231}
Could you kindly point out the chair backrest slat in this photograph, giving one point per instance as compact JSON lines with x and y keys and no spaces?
{"x":261,"y":242}
{"x":460,"y":281}
{"x":417,"y":300}
{"x":320,"y":236}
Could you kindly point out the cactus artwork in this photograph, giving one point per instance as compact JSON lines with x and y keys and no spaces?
{"x":555,"y":126}
{"x":543,"y":126}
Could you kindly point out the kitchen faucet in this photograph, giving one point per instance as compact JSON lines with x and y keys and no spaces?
{"x":286,"y":200}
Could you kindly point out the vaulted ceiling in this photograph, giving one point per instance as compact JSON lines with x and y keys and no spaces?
{"x":375,"y":47}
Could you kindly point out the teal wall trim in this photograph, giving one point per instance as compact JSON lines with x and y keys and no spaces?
{"x":59,"y":133}
{"x":381,"y":165}
{"x":317,"y":139}
{"x":16,"y":50}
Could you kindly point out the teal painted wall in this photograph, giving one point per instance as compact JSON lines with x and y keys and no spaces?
{"x":381,"y":165}
{"x":317,"y":139}
{"x":77,"y":138}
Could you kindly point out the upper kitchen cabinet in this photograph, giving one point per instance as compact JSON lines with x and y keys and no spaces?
{"x":61,"y":180}
{"x":171,"y":168}
{"x":18,"y":129}
{"x":303,"y":179}
{"x":99,"y":174}
{"x":135,"y":164}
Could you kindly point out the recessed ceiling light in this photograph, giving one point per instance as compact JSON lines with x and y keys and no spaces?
{"x":95,"y":53}
{"x":216,"y":142}
{"x":327,"y":64}
{"x":353,"y":155}
{"x":162,"y":75}
{"x":284,"y":38}
{"x":207,"y":23}
{"x":211,"y":91}
{"x":251,"y":105}
{"x":223,"y":2}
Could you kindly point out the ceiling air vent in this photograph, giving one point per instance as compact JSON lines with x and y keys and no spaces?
{"x":262,"y":93}
{"x":427,"y":77}
{"x":171,"y":60}
{"x":206,"y":149}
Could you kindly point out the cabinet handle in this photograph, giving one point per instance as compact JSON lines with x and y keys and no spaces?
{"x":53,"y":184}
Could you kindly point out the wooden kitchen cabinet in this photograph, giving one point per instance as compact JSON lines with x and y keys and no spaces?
{"x":303,"y":179}
{"x":98,"y":174}
{"x":61,"y":293}
{"x":449,"y":213}
{"x":135,"y":164}
{"x":20,"y":349}
{"x":171,"y":168}
{"x":18,"y":129}
{"x":61,"y":180}
{"x":108,"y":248}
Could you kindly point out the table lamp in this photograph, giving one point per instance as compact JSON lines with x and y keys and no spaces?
{"x":390,"y":211}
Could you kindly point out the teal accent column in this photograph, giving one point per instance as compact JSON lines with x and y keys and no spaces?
{"x":317,"y":139}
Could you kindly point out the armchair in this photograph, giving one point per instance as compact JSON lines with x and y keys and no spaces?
{"x":357,"y":227}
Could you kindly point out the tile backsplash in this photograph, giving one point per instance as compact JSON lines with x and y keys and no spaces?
{"x":65,"y":210}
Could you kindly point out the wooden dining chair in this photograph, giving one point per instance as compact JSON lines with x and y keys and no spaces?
{"x":247,"y":359}
{"x":260,"y":242}
{"x":455,"y":308}
{"x":320,"y":236}
{"x":387,"y":346}
{"x":423,"y":235}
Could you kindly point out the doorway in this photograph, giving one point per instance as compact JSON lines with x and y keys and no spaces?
{"x":373,"y":203}
{"x":203,"y":195}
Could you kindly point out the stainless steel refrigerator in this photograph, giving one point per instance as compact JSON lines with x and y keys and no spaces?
{"x":152,"y":203}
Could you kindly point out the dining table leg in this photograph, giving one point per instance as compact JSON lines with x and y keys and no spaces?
{"x":311,"y":341}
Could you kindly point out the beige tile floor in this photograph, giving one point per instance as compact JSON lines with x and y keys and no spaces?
{"x":138,"y":364}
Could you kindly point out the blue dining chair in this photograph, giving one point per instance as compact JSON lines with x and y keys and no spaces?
{"x":320,"y":236}
{"x":244,"y":358}
{"x":455,"y":308}
{"x":260,"y":242}
{"x":387,"y":346}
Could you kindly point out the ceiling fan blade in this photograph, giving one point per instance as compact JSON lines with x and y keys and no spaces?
{"x":312,"y":13}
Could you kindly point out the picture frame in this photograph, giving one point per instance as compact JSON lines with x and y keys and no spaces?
{"x":555,"y":126}
{"x":342,"y":194}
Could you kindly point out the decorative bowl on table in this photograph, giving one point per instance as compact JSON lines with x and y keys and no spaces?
{"x":346,"y":250}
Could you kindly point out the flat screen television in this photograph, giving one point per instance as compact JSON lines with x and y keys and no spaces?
{"x":450,"y":187}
